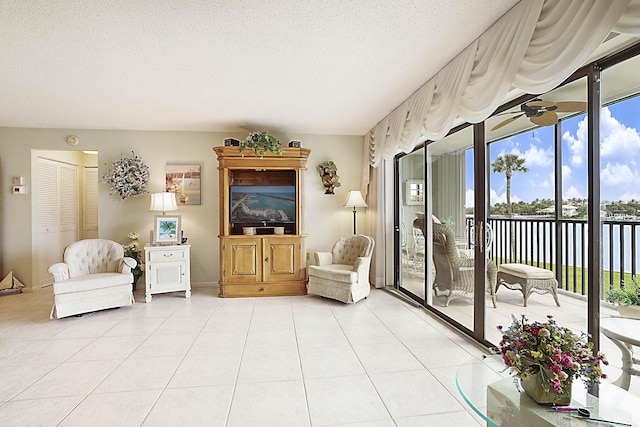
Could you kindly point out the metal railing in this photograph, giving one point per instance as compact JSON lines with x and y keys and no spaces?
{"x":548,"y":243}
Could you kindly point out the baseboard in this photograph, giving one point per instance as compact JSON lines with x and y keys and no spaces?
{"x":204,"y":285}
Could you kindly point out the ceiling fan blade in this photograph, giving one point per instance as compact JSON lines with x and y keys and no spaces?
{"x":571,"y":106}
{"x":547,"y":118}
{"x":540,"y":103}
{"x":506,"y":122}
{"x":508,"y":112}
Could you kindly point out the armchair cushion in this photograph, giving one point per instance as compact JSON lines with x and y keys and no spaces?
{"x":336,"y":272}
{"x":91,"y":282}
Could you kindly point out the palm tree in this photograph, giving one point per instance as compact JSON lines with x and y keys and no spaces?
{"x":510,"y":163}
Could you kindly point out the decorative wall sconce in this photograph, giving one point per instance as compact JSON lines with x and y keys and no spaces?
{"x":329,"y":175}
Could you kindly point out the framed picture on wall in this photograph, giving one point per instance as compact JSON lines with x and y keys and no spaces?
{"x":414,"y":192}
{"x":184,"y":180}
{"x":166,"y":230}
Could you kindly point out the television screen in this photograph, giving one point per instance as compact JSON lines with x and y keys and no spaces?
{"x":257,"y":203}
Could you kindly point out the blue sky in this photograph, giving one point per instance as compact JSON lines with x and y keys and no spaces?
{"x":620,"y":159}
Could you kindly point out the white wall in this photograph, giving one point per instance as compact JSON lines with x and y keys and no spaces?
{"x":326,"y":217}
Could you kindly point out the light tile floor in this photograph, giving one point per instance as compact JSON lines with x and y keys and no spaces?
{"x":571,"y":313}
{"x":230,"y":362}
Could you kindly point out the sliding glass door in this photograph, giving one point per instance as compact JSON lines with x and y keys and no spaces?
{"x":547,"y":182}
{"x":411,"y":207}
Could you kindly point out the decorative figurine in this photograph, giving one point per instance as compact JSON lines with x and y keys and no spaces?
{"x":329,"y":175}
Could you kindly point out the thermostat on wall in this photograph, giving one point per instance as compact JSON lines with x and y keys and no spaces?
{"x":19,"y":189}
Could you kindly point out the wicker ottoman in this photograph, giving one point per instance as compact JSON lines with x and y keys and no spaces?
{"x":526,"y":279}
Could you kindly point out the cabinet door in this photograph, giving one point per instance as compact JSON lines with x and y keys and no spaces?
{"x":242,"y":260}
{"x":282,"y":259}
{"x":167,"y":276}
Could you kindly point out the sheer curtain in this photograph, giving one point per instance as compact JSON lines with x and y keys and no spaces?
{"x":534,"y":47}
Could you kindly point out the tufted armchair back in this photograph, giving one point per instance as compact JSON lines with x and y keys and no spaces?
{"x":349,"y":248}
{"x":92,"y":256}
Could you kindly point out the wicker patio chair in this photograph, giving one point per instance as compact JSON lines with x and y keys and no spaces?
{"x":454,"y":269}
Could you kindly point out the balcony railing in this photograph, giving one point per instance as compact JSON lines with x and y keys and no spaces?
{"x":534,"y":241}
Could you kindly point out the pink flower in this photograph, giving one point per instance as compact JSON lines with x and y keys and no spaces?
{"x":567,"y":360}
{"x":556,"y":369}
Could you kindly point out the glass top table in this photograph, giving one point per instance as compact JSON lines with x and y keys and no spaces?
{"x":492,"y":394}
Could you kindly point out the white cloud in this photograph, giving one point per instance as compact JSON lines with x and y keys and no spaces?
{"x":629,"y":196}
{"x":534,"y":156}
{"x":497,"y":198}
{"x":618,"y":174}
{"x":577,"y":144}
{"x":537,"y":156}
{"x":469,"y":199}
{"x":572,"y":193}
{"x":566,"y":173}
{"x":617,"y":140}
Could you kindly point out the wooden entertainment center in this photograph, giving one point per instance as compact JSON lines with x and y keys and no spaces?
{"x":262,"y":227}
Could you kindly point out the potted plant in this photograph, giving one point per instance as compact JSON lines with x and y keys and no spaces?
{"x":547,"y":357}
{"x":627,"y":298}
{"x":132,"y":250}
{"x":261,"y":143}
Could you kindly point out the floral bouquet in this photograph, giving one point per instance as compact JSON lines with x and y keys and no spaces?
{"x":553,"y":353}
{"x":132,"y":250}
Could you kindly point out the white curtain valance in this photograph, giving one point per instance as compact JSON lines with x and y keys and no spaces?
{"x":533,"y":47}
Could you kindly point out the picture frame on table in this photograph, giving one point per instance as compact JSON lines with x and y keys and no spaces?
{"x":166,"y":230}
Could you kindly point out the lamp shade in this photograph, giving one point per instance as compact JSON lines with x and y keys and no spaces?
{"x":163,"y":202}
{"x":355,"y":200}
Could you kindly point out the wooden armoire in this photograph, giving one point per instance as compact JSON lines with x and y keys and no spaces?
{"x":262,"y":226}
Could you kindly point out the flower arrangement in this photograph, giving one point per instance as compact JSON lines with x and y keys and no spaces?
{"x":127,"y":177}
{"x":132,"y":250}
{"x":554,"y":353}
{"x":260,"y":143}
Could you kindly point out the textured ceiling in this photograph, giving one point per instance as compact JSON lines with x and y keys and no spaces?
{"x":297,"y":66}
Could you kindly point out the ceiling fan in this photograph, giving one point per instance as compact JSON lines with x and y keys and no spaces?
{"x":543,"y":113}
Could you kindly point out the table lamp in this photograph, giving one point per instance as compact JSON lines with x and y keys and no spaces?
{"x":163,"y":202}
{"x":355,"y":200}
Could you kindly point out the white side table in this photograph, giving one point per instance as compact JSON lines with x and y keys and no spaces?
{"x":167,"y":269}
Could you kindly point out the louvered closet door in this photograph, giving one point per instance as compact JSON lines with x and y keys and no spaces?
{"x":56,"y":213}
{"x":90,"y":204}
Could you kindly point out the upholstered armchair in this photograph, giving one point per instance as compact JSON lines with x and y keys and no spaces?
{"x":455,"y":269}
{"x":95,"y":275}
{"x":343,"y":273}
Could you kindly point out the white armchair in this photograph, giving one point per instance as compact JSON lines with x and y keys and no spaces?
{"x":343,"y":273}
{"x":95,"y":275}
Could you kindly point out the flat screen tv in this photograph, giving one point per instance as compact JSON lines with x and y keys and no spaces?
{"x":258,"y":203}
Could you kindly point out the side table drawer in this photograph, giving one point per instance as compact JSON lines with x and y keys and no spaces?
{"x":167,"y":255}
